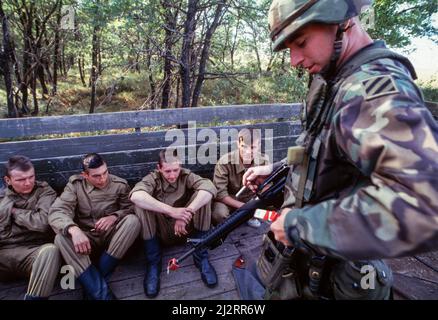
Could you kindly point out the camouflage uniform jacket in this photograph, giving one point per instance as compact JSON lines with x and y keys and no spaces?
{"x":29,"y":224}
{"x":82,"y":205}
{"x":375,"y":191}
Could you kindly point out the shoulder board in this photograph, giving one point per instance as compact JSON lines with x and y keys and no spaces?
{"x":41,"y":183}
{"x":118,"y":179}
{"x":378,"y":86}
{"x":76,"y":177}
{"x":185,"y":171}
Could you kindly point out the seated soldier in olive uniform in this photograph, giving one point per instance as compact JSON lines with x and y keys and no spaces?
{"x":26,"y":248}
{"x":172,"y":203}
{"x":228,"y":174}
{"x":93,"y":214}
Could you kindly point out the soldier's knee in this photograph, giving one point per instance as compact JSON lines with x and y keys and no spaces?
{"x":50,"y":252}
{"x":132,"y":222}
{"x":60,"y":240}
{"x":220,"y":213}
{"x":138,"y":210}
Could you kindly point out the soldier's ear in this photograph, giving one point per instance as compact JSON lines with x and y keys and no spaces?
{"x":84,"y":174}
{"x":7,"y":180}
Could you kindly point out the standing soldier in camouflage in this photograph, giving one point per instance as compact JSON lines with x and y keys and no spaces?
{"x":228,"y":174}
{"x":364,"y":177}
{"x":91,"y":215}
{"x":173,"y":203}
{"x":26,"y":248}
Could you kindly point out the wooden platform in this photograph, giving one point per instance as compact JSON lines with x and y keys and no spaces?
{"x":414,"y":277}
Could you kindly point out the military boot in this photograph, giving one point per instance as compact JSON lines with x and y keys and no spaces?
{"x":95,"y":285}
{"x":200,"y":257}
{"x":151,"y":281}
{"x":107,"y":264}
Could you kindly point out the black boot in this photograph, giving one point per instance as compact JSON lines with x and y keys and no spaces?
{"x":29,"y":297}
{"x":107,"y":264}
{"x":200,"y":257}
{"x":151,"y":281}
{"x":95,"y":285}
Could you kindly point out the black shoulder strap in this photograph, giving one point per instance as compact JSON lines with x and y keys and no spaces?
{"x":371,"y":54}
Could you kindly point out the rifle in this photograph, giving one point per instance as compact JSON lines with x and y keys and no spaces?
{"x":266,"y":194}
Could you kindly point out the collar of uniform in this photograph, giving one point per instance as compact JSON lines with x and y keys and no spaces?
{"x":167,"y":185}
{"x":235,"y":159}
{"x":174,"y":186}
{"x":11,"y":192}
{"x":374,"y":44}
{"x":89,"y":187}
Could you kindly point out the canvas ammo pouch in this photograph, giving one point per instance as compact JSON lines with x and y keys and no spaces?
{"x":275,"y":269}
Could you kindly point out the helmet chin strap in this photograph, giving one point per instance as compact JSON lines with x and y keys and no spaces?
{"x":329,"y":70}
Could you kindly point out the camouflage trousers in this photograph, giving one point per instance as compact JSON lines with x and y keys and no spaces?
{"x":40,"y":263}
{"x":115,"y":241}
{"x":158,"y":224}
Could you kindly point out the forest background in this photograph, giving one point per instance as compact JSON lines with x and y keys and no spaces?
{"x":62,"y":57}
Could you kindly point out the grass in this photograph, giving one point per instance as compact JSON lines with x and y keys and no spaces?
{"x":117,"y":91}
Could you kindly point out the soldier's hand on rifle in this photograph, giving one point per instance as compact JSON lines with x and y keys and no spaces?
{"x":184,"y":214}
{"x":80,"y":240}
{"x":277,"y":227}
{"x":255,"y":175}
{"x":180,"y":228}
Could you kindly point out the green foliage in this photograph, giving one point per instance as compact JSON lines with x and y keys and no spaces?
{"x":430,"y":90}
{"x":282,"y":87}
{"x":241,"y":66}
{"x":397,"y":22}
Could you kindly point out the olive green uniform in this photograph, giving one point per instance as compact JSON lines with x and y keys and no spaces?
{"x":228,"y":174}
{"x":26,"y":248}
{"x":178,"y":194}
{"x":82,"y":205}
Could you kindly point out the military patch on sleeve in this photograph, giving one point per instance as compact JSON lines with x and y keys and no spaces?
{"x":379,"y":86}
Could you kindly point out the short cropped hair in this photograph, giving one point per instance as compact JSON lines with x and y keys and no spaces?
{"x":168,"y":156}
{"x":20,"y":163}
{"x":249,"y":135}
{"x":92,"y":161}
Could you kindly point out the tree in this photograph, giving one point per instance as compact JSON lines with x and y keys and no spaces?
{"x":397,"y":22}
{"x":5,"y":64}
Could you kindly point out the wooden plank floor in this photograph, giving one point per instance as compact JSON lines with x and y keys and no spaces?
{"x":414,"y":277}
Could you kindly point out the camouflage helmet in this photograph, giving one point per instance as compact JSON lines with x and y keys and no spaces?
{"x":286,"y":17}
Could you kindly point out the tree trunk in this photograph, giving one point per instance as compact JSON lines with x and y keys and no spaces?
{"x":56,"y":52}
{"x":170,"y":21}
{"x":27,"y":37}
{"x":39,"y":72}
{"x":186,"y":50}
{"x":63,"y":60}
{"x":178,"y":81}
{"x":81,"y":70}
{"x":34,"y":95}
{"x":148,"y":68}
{"x":205,"y":53}
{"x":94,"y":58}
{"x":6,"y":57}
{"x":99,"y":57}
{"x":137,"y":61}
